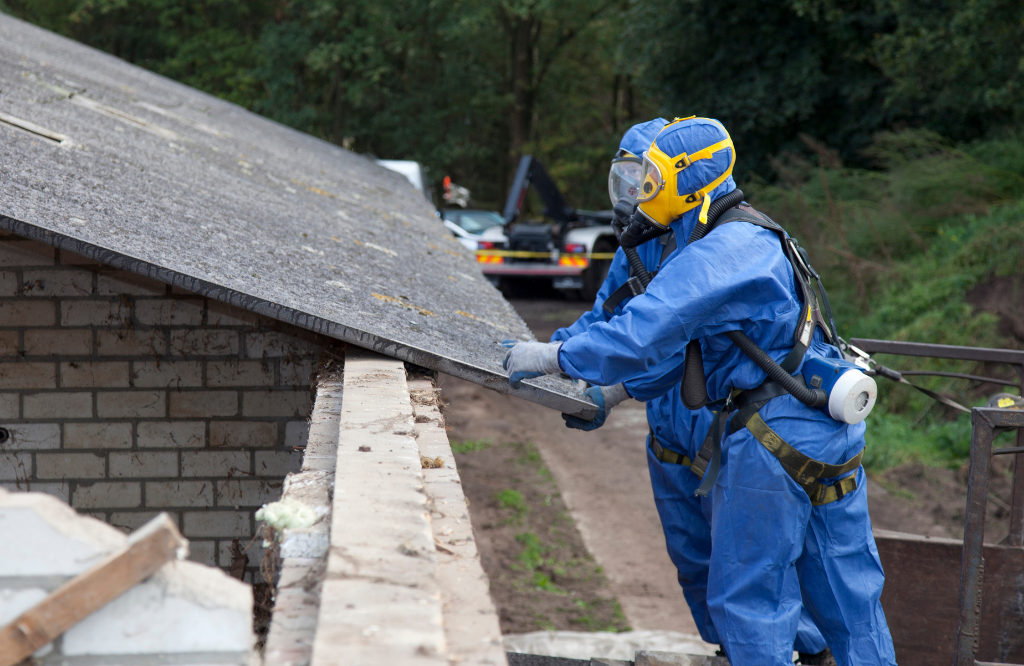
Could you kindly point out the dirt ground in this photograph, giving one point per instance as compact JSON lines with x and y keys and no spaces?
{"x":601,"y":479}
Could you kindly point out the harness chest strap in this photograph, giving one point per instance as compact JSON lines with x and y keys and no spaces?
{"x":633,"y":287}
{"x":806,"y":471}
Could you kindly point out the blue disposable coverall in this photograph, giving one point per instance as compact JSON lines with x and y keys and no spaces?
{"x":684,"y":516}
{"x":769,"y":547}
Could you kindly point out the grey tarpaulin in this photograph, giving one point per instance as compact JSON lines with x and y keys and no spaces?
{"x":111,"y":161}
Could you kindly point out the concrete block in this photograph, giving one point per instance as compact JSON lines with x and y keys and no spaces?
{"x":222,"y":314}
{"x":171,"y":434}
{"x":10,"y":405}
{"x":296,"y":434}
{"x":221,"y":524}
{"x":15,"y":466}
{"x":169,"y":311}
{"x":81,"y":374}
{"x":70,"y":466}
{"x":243,"y":434}
{"x":192,"y":404}
{"x":54,"y":541}
{"x":276,"y":403}
{"x":57,"y":405}
{"x":216,"y":464}
{"x":203,"y":552}
{"x":97,"y":435}
{"x":143,"y":464}
{"x":247,"y":493}
{"x":272,"y":344}
{"x":130,"y":343}
{"x":60,"y":282}
{"x":9,"y":343}
{"x":32,"y":436}
{"x":234,"y":372}
{"x":58,"y":342}
{"x":184,"y":494}
{"x":131,"y":404}
{"x":277,"y":463}
{"x":28,"y":313}
{"x":297,"y":371}
{"x":26,"y":253}
{"x":185,"y":608}
{"x":105,"y":495}
{"x":171,"y":374}
{"x":115,"y":313}
{"x":28,"y":375}
{"x":117,"y":283}
{"x":204,"y":342}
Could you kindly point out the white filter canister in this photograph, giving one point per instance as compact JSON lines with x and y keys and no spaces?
{"x":852,"y":397}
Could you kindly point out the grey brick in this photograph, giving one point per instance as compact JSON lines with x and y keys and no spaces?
{"x":204,"y":552}
{"x":186,"y":494}
{"x":78,"y":374}
{"x":123,"y":282}
{"x":239,"y":373}
{"x":26,"y":253}
{"x":173,"y":374}
{"x":106,"y":495}
{"x":97,"y":435}
{"x":71,"y":259}
{"x":9,"y":343}
{"x":247,"y":493}
{"x":58,"y":342}
{"x":296,"y":433}
{"x":254,"y":553}
{"x":243,"y":434}
{"x":190,"y":404}
{"x":60,"y":282}
{"x":169,"y":311}
{"x":15,"y":466}
{"x":32,"y":436}
{"x":131,"y":404}
{"x":130,"y":343}
{"x":58,"y":405}
{"x":275,"y":403}
{"x":217,"y":464}
{"x":95,"y":313}
{"x":171,"y":434}
{"x":61,"y":490}
{"x":224,"y":524}
{"x":129,"y":521}
{"x":28,"y":313}
{"x":9,"y":405}
{"x":139,"y":464}
{"x":8,"y":283}
{"x":296,"y":371}
{"x":204,"y":342}
{"x":69,"y":466}
{"x":275,"y":344}
{"x":28,"y":375}
{"x":277,"y":463}
{"x":222,"y":314}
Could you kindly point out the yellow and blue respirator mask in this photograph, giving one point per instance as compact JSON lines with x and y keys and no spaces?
{"x":663,"y":176}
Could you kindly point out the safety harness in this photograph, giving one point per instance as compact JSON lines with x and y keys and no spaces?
{"x":633,"y":286}
{"x":744,"y":406}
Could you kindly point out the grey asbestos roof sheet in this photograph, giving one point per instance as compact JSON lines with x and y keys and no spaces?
{"x":117,"y":163}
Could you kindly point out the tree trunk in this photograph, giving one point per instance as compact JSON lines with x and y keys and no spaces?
{"x":523,"y":35}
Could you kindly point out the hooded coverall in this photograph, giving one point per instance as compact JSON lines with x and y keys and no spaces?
{"x":772,"y":552}
{"x":684,"y":517}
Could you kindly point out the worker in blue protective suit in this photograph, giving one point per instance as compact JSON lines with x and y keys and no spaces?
{"x":779,"y":541}
{"x":676,"y":432}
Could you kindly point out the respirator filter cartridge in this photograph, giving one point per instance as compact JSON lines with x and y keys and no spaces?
{"x":851,"y":393}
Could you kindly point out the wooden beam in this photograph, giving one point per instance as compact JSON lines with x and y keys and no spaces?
{"x":149,"y":548}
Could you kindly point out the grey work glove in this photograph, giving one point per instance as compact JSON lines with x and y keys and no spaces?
{"x":527,"y":360}
{"x":605,"y":397}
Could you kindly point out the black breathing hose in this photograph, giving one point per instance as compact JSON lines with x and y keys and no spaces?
{"x":639,"y":270}
{"x":811,"y":397}
{"x":717,"y":207}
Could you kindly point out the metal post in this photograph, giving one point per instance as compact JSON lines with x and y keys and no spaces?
{"x":972,"y":562}
{"x":1017,"y":502}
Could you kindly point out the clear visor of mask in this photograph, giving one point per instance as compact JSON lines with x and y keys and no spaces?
{"x":651,"y":181}
{"x":624,"y":179}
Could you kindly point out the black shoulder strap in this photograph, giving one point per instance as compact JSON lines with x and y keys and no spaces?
{"x":633,"y":287}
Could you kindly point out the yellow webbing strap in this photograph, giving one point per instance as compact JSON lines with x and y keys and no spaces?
{"x":805,"y":470}
{"x":667,"y":455}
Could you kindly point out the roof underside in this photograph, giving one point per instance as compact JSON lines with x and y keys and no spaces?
{"x":111,"y":161}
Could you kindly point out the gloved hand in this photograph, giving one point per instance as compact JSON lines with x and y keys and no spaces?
{"x":605,"y":397}
{"x":527,"y":360}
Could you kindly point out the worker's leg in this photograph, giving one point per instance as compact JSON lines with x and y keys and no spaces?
{"x":808,"y":639}
{"x":841,"y":577}
{"x":687,"y":535}
{"x":757,"y":525}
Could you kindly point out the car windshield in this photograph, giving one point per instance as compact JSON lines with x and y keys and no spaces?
{"x":476,"y":221}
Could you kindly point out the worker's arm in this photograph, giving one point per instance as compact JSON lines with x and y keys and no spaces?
{"x":618,"y":273}
{"x":727,"y":281}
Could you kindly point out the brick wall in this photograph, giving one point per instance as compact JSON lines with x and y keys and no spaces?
{"x":125,"y":397}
